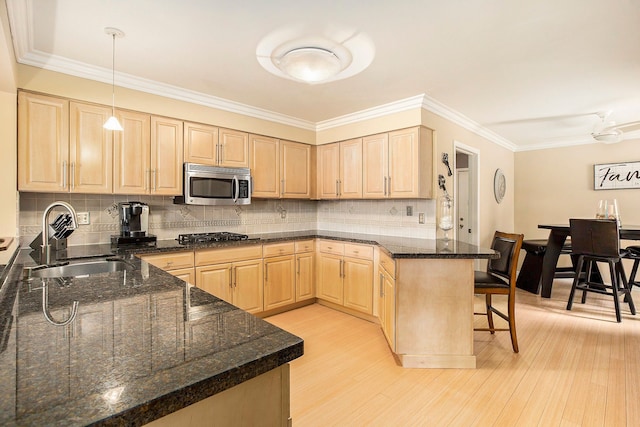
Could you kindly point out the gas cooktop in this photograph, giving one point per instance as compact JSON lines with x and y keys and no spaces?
{"x":220,"y":236}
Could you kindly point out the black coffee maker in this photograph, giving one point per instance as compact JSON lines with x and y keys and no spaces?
{"x":134,"y":224}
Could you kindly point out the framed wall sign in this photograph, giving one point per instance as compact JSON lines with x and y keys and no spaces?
{"x":616,"y":176}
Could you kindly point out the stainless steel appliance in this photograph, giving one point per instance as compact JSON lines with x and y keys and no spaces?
{"x":220,"y":236}
{"x":212,"y":185}
{"x":134,"y":224}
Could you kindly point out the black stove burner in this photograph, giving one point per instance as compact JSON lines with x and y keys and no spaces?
{"x":222,"y":236}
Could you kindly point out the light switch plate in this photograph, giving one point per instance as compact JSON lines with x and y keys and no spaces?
{"x":409,"y":210}
{"x":421,"y":218}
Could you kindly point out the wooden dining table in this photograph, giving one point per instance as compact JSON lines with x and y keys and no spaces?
{"x":557,"y":236}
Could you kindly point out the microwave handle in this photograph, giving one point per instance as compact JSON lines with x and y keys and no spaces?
{"x":236,"y":185}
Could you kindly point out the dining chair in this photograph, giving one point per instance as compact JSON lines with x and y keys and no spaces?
{"x":500,"y":279}
{"x":597,"y":241}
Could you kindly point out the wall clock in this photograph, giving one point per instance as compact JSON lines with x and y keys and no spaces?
{"x":499,"y":185}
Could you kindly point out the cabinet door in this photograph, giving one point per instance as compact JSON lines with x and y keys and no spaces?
{"x":43,"y":143}
{"x":265,"y":166}
{"x":279,"y":281}
{"x":215,"y":279}
{"x":305,"y":274}
{"x":234,"y":148}
{"x":404,"y":158}
{"x":247,"y":285}
{"x":375,"y":166}
{"x":358,"y":284}
{"x":200,"y":143}
{"x":330,"y":278}
{"x":90,"y":149}
{"x":295,"y":170}
{"x":329,"y":171}
{"x":131,"y":153}
{"x":166,"y":156}
{"x":351,"y":169}
{"x":167,"y":329}
{"x":389,"y":312}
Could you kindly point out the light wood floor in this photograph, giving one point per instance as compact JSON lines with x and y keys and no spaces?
{"x":575,"y":368}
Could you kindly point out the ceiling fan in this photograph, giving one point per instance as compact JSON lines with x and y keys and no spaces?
{"x":609,"y":132}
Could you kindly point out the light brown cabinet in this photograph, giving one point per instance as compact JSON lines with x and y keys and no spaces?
{"x":340,"y":170}
{"x":265,"y":166}
{"x":166,"y":156}
{"x":232,"y":274}
{"x":305,"y":270}
{"x":131,"y":154}
{"x":280,"y":169}
{"x":295,"y":170}
{"x":345,"y":275}
{"x":398,"y":164}
{"x":43,"y":143}
{"x":209,"y":145}
{"x":279,"y":275}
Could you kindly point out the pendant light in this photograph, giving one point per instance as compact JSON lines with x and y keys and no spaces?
{"x":112,"y":123}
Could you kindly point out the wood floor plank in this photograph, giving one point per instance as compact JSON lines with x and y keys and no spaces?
{"x":575,"y":368}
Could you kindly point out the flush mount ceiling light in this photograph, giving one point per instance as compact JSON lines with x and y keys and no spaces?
{"x":112,"y":122}
{"x":310,"y":64}
{"x":294,"y":55}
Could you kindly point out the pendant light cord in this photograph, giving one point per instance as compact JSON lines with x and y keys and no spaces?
{"x":113,"y":77}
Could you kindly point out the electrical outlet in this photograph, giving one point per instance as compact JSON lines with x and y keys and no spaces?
{"x":83,"y":218}
{"x":421,"y":218}
{"x":409,"y":210}
{"x":283,"y":214}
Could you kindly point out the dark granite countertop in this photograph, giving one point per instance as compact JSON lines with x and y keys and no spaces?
{"x":142,"y":345}
{"x":396,"y":247}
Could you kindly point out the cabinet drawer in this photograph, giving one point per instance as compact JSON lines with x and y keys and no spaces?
{"x":278,"y":249}
{"x":387,"y":263}
{"x":304,"y":246}
{"x":331,"y":247}
{"x":170,"y":261}
{"x":358,"y":251}
{"x":216,"y":256}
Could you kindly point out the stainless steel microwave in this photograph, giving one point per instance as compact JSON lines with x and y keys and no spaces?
{"x":212,"y":185}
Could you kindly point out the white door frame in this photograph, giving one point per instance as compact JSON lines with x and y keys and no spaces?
{"x":474,"y":189}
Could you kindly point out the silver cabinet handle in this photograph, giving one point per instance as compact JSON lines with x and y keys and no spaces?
{"x":266,"y":272}
{"x":73,"y":175}
{"x":341,"y":268}
{"x":235,"y":277}
{"x":282,"y":187}
{"x":381,"y":285}
{"x":298,"y":272}
{"x":385,"y":185}
{"x":64,"y":174}
{"x":389,"y":184}
{"x":221,"y":153}
{"x":339,"y":189}
{"x":231,"y":277}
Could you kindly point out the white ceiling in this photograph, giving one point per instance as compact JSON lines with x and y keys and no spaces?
{"x":530,"y":73}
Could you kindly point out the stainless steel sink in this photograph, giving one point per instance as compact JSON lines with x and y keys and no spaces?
{"x":77,"y":269}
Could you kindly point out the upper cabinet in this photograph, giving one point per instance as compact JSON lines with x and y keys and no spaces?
{"x":280,"y":169}
{"x":295,"y":170}
{"x":340,"y":170}
{"x":264,"y":153}
{"x":398,"y":164}
{"x":209,"y":145}
{"x":43,"y":143}
{"x":62,"y":146}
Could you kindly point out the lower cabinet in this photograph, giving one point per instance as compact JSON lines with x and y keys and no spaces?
{"x":279,"y":281}
{"x":305,"y":275}
{"x":345,"y":275}
{"x":232,"y":274}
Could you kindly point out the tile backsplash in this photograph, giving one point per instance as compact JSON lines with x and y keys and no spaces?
{"x":167,"y":220}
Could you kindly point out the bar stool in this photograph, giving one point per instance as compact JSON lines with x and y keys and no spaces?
{"x":595,"y":241}
{"x":633,"y":252}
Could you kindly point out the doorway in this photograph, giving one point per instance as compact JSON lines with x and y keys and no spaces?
{"x":466,"y":166}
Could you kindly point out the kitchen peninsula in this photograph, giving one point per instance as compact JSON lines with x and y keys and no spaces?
{"x":145,"y":344}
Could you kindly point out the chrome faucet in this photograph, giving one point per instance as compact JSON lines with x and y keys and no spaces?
{"x":46,"y":247}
